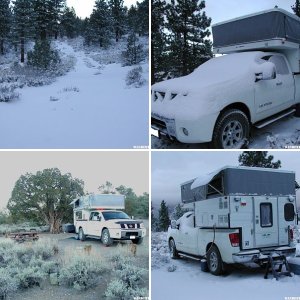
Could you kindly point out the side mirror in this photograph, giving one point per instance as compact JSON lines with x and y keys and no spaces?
{"x":266,"y":71}
{"x":173,"y":224}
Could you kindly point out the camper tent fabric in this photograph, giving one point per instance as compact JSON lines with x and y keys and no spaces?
{"x":104,"y":201}
{"x":267,"y":25}
{"x":242,"y":181}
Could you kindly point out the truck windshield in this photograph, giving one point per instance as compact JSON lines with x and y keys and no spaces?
{"x":109,"y":215}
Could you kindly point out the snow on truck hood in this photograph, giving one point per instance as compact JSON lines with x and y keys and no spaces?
{"x":216,"y":79}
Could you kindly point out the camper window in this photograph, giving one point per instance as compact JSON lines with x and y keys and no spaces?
{"x":266,"y":215}
{"x":78,"y":215}
{"x":289,"y":212}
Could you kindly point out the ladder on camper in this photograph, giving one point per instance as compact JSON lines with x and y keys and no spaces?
{"x":274,"y":264}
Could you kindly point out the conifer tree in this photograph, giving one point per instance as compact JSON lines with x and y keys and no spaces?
{"x":143,"y":17}
{"x":69,"y":23}
{"x":5,"y":20}
{"x":188,"y":25}
{"x":101,"y":24}
{"x":42,"y":18}
{"x":118,"y":15}
{"x":56,"y":10}
{"x":163,"y":219}
{"x":258,"y":159}
{"x":296,"y":8}
{"x":22,"y":24}
{"x":134,"y":52}
{"x":158,"y":40}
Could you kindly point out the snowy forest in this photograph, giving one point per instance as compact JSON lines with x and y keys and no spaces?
{"x":43,"y":43}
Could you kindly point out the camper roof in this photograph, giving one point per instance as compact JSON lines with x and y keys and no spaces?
{"x":267,"y":25}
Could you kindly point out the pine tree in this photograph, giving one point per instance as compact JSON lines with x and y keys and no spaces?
{"x":133,"y":19}
{"x":42,"y":18}
{"x":101,"y":24}
{"x":143,"y":17}
{"x":5,"y":20}
{"x":68,"y":23}
{"x":134,"y":52}
{"x":118,"y":15}
{"x":296,"y":8}
{"x":178,"y":212}
{"x":163,"y":219}
{"x":188,"y":32}
{"x":56,"y":10}
{"x":158,"y":40}
{"x":22,"y":23}
{"x":258,"y":159}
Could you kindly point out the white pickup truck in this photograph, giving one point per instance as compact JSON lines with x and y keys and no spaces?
{"x":255,"y":84}
{"x":240,"y":215}
{"x":99,"y":216}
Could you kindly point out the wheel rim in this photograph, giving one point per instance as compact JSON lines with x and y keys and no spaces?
{"x":232,"y":134}
{"x":105,"y":237}
{"x":213,"y":261}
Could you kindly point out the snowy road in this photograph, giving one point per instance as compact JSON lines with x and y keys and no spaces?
{"x":90,"y":107}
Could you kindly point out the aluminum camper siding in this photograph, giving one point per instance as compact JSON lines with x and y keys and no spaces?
{"x":266,"y":25}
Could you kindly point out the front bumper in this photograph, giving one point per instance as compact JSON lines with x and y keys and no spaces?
{"x":257,"y":256}
{"x":129,"y":234}
{"x":185,"y":131}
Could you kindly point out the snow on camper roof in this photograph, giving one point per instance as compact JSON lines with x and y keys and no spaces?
{"x":265,"y":25}
{"x":100,"y":201}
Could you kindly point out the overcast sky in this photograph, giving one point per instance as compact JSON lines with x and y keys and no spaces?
{"x":170,"y":169}
{"x":84,"y":8}
{"x":94,"y":168}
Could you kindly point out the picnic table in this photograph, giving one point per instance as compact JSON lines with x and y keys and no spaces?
{"x":22,"y":236}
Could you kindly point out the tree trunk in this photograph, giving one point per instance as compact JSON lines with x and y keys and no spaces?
{"x":2,"y":46}
{"x":22,"y":50}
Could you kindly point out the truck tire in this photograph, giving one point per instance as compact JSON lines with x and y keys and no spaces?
{"x":231,"y":130}
{"x":137,"y":241}
{"x":214,"y":261}
{"x":105,"y":238}
{"x":173,"y":250}
{"x":81,"y":235}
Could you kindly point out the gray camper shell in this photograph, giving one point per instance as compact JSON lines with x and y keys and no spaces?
{"x":243,"y":181}
{"x":269,"y":30}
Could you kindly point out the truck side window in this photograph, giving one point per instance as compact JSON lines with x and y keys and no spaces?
{"x":280,"y":64}
{"x":266,"y":215}
{"x":289,"y":212}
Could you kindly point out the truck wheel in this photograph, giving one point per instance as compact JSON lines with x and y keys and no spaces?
{"x":214,"y":260}
{"x":105,"y":238}
{"x":137,"y":241}
{"x":81,"y":235}
{"x":297,"y":112}
{"x":173,"y":250}
{"x":231,"y":130}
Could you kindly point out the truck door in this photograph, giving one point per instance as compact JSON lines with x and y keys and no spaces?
{"x":274,"y":95}
{"x":93,"y":224}
{"x":286,"y":217}
{"x":265,"y":221}
{"x":188,"y":235}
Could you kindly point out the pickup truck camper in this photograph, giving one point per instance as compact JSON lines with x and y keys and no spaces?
{"x":255,"y":83}
{"x":101,"y":216}
{"x":240,"y":215}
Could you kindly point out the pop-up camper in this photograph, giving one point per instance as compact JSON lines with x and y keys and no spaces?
{"x":101,"y":216}
{"x":240,"y":215}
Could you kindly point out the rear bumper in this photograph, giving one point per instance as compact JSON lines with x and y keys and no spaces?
{"x":257,"y":256}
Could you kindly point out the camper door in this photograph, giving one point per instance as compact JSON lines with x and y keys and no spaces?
{"x":265,"y":221}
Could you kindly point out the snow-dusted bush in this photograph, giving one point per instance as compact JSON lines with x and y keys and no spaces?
{"x":117,"y":289}
{"x":159,"y":249}
{"x":7,"y":93}
{"x":8,"y":284}
{"x":81,"y":273}
{"x":45,"y":248}
{"x":134,"y":77}
{"x":42,"y":56}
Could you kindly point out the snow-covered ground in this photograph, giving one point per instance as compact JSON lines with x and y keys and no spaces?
{"x":183,"y":279}
{"x":281,"y":134}
{"x":89,"y":107}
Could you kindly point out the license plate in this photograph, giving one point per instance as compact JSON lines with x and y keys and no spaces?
{"x":132,"y":237}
